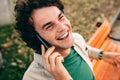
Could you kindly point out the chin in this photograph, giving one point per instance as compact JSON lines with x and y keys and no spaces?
{"x":68,"y":45}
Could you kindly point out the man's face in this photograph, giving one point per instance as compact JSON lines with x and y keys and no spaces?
{"x":53,"y":26}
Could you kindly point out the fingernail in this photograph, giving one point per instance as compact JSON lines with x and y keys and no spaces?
{"x":53,"y":47}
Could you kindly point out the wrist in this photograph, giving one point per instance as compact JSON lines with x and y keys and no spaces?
{"x":100,"y":56}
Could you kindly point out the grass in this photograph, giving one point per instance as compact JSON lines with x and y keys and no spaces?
{"x":17,"y":56}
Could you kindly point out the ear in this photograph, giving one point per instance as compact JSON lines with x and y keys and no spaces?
{"x":31,"y":20}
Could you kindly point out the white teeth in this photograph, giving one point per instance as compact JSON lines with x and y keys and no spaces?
{"x":64,"y":35}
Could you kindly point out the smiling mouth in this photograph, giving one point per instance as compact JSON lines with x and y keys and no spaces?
{"x":64,"y":36}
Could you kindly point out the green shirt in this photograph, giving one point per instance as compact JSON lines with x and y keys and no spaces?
{"x":77,"y":67}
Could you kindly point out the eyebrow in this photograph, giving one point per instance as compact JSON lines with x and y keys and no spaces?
{"x":60,"y":14}
{"x":48,"y":23}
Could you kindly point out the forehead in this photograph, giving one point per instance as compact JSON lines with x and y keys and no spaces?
{"x":44,"y":15}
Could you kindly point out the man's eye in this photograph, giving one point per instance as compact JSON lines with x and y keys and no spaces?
{"x":49,"y":27}
{"x":61,"y":17}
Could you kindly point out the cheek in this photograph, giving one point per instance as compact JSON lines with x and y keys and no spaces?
{"x":48,"y":36}
{"x":68,"y":23}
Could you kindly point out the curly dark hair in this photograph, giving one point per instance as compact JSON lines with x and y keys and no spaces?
{"x":24,"y":9}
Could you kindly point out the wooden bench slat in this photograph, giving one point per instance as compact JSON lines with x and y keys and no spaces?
{"x":100,"y":64}
{"x":101,"y":70}
{"x":104,"y":70}
{"x":100,"y":39}
{"x":98,"y":34}
{"x":103,"y":37}
{"x":109,"y":73}
{"x":117,"y":74}
{"x":110,"y":69}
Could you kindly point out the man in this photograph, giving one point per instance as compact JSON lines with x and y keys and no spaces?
{"x":66,"y":57}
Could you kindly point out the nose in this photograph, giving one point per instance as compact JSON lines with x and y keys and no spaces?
{"x":61,"y":27}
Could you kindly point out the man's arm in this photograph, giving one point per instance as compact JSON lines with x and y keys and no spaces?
{"x":110,"y":57}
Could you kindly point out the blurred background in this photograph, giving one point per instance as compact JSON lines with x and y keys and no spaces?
{"x":15,"y":56}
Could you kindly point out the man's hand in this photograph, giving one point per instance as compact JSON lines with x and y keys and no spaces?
{"x":112,"y":57}
{"x":53,"y":64}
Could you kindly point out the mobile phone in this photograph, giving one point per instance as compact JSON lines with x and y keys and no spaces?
{"x":42,"y":41}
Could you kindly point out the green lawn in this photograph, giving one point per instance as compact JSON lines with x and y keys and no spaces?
{"x":16,"y":55}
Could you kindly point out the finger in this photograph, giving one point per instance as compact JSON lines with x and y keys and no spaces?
{"x":43,"y":50}
{"x":46,"y":65}
{"x":49,"y":52}
{"x":59,"y":61}
{"x":52,"y":59}
{"x":46,"y":57}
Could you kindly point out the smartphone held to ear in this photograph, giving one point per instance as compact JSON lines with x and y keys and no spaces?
{"x":42,"y":41}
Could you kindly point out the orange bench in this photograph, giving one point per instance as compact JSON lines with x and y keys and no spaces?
{"x":100,"y":39}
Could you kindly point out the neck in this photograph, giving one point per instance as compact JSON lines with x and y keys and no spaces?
{"x":64,"y":52}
